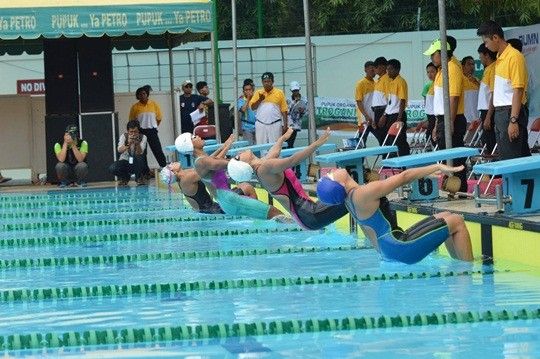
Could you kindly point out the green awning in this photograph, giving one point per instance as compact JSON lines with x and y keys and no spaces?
{"x":130,"y":23}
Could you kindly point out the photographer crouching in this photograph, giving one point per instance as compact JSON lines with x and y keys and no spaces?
{"x":131,"y":146}
{"x":71,"y":155}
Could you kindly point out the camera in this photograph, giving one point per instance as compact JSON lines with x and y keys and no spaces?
{"x":73,"y":131}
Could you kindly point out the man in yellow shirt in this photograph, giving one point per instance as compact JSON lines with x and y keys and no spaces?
{"x":487,"y":58}
{"x":509,"y":93}
{"x":271,"y":111}
{"x":397,"y":95}
{"x":379,"y":102}
{"x":470,"y":89}
{"x":148,"y":113}
{"x":458,"y":123}
{"x":363,"y":95}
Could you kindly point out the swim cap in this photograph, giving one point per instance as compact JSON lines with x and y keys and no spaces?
{"x":330,"y":191}
{"x":167,"y":176}
{"x":183,"y":143}
{"x":239,"y":171}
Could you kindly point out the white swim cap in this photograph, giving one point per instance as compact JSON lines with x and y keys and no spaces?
{"x":183,"y":143}
{"x":167,"y":176}
{"x":239,"y":171}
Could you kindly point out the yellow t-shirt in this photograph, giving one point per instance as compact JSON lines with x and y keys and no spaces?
{"x":486,"y":87}
{"x":149,"y":114}
{"x":429,"y":100}
{"x":510,"y":73}
{"x":397,"y":91}
{"x":379,"y":94}
{"x":364,"y":92}
{"x":455,"y":79}
{"x":271,"y":108}
{"x":470,"y":99}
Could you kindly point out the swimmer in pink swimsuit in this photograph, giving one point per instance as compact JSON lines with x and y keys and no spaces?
{"x":277,"y":177}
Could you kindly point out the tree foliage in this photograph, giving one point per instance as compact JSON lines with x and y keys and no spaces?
{"x":284,"y":18}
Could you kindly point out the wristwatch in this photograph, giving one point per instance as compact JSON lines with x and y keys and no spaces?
{"x":513,"y":119}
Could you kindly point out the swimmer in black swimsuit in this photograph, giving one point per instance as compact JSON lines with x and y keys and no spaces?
{"x":277,"y":177}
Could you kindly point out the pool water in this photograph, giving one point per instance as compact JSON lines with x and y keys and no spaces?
{"x":237,"y":288}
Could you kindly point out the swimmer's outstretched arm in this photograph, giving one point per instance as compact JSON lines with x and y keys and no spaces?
{"x":221,"y":152}
{"x":278,"y":165}
{"x":275,"y":150}
{"x":378,"y":189}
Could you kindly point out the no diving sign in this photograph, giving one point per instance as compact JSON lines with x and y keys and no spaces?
{"x":30,"y":87}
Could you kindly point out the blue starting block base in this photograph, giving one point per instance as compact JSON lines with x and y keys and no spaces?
{"x":256,"y":149}
{"x":521,"y":182}
{"x":186,"y":158}
{"x":301,"y":170}
{"x":353,"y":161}
{"x":427,"y":188}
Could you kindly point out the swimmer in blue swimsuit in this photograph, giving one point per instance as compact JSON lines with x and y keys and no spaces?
{"x":211,"y":169}
{"x":408,"y":246}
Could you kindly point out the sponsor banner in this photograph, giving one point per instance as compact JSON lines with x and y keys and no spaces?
{"x":336,"y":109}
{"x":30,"y":87}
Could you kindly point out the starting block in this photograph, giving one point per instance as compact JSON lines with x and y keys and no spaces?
{"x":520,"y":191}
{"x":301,"y":170}
{"x":256,"y":149}
{"x":426,"y":188}
{"x":186,"y":158}
{"x":353,"y":161}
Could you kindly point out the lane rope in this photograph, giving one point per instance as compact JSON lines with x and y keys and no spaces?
{"x":274,"y":327}
{"x":100,"y":291}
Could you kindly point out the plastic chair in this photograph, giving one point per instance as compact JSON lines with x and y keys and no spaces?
{"x":474,"y":134}
{"x":418,"y":140}
{"x":394,"y":130}
{"x":535,"y":129}
{"x":205,"y":131}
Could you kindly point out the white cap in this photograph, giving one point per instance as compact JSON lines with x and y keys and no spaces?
{"x":295,"y":86}
{"x":239,"y":171}
{"x":183,"y":143}
{"x":167,"y":176}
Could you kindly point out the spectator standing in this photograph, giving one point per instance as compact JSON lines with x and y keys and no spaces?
{"x":397,"y":95}
{"x":298,"y":109}
{"x":470,"y":89}
{"x":427,"y":94}
{"x":271,"y":111}
{"x":509,"y":93}
{"x":131,"y":146}
{"x":487,"y":58}
{"x":71,"y":153}
{"x":189,"y":102}
{"x":148,"y":113}
{"x":363,"y":95}
{"x":458,"y":123}
{"x":379,"y":101}
{"x":247,"y":115}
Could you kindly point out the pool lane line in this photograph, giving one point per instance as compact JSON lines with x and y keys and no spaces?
{"x":39,"y":204}
{"x":101,"y":291}
{"x":20,"y":263}
{"x":113,"y":222}
{"x":85,"y":195}
{"x":52,"y":213}
{"x":96,"y":238}
{"x":274,"y":327}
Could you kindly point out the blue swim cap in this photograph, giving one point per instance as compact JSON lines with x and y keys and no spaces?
{"x":330,"y":191}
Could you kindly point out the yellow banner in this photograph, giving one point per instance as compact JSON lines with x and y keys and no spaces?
{"x":11,"y":4}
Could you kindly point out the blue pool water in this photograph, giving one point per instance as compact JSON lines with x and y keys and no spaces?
{"x":436,"y":286}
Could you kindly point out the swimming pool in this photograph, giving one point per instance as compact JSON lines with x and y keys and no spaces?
{"x":134,"y":273}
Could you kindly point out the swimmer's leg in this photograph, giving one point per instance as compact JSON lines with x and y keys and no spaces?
{"x":459,"y":243}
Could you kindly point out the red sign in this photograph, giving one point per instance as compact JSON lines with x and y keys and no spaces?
{"x":30,"y":87}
